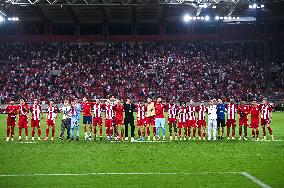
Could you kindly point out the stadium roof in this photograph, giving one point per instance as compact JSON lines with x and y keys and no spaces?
{"x":135,"y":11}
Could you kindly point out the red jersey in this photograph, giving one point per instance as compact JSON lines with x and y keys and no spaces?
{"x":172,"y":110}
{"x":140,"y":112}
{"x":231,"y":111}
{"x":36,"y":111}
{"x":118,"y":110}
{"x":51,"y":112}
{"x":201,"y":112}
{"x":108,"y":110}
{"x":265,"y":111}
{"x":182,"y":117}
{"x":97,"y":110}
{"x":87,"y":108}
{"x":243,"y":111}
{"x":23,"y":110}
{"x":254,"y":111}
{"x":191,"y":112}
{"x":12,"y":111}
{"x":159,"y":110}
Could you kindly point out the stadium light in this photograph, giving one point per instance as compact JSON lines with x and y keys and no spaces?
{"x":2,"y":19}
{"x":207,"y":18}
{"x":186,"y":18}
{"x":214,"y":6}
{"x":254,"y":6}
{"x":262,"y":6}
{"x":217,"y":17}
{"x":14,"y":19}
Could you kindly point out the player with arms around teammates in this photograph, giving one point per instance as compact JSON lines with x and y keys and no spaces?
{"x":23,"y":119}
{"x":51,"y":116}
{"x":221,"y":109}
{"x":66,"y":121}
{"x":87,"y":117}
{"x":37,"y":115}
{"x":12,"y":111}
{"x":266,"y":118}
{"x":243,"y":111}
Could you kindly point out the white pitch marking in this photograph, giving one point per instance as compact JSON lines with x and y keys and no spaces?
{"x":255,"y":180}
{"x":120,"y":173}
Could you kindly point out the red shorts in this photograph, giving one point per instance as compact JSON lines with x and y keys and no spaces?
{"x":140,"y":123}
{"x":182,"y":125}
{"x":191,"y":123}
{"x":108,"y":122}
{"x":50,"y":122}
{"x":265,"y":121}
{"x":243,"y":121}
{"x":97,"y":121}
{"x":11,"y":122}
{"x":254,"y":123}
{"x":23,"y":123}
{"x":201,"y":123}
{"x":150,"y":120}
{"x":118,"y":121}
{"x":231,"y":123}
{"x":171,"y":120}
{"x":35,"y":123}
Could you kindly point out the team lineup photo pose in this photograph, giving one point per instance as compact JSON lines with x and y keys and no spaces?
{"x":183,"y":119}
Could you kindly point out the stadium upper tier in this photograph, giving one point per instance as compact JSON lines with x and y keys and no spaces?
{"x":174,"y":70}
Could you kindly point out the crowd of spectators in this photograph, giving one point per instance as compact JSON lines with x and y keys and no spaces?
{"x":174,"y":70}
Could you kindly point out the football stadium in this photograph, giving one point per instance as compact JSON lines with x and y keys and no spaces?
{"x":142,"y":93}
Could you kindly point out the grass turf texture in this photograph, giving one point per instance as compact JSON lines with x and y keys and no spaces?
{"x":263,"y":160}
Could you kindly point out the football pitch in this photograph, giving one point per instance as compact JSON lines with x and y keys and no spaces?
{"x":157,"y":164}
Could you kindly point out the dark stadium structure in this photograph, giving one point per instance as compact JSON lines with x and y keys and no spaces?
{"x":139,"y":17}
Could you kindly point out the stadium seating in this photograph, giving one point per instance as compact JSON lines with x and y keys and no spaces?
{"x":179,"y":70}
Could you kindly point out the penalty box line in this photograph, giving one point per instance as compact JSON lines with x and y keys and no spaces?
{"x":245,"y":174}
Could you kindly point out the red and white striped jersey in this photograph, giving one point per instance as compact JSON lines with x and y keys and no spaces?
{"x":141,"y":112}
{"x":265,"y":111}
{"x":51,"y":113}
{"x":191,"y":112}
{"x":109,"y":111}
{"x":231,"y":111}
{"x":97,"y":110}
{"x":23,"y":110}
{"x":172,"y":110}
{"x":182,"y":114}
{"x":201,"y":112}
{"x":35,"y":110}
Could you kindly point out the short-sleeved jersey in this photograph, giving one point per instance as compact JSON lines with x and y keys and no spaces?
{"x":87,"y":108}
{"x":191,"y":112}
{"x":159,"y":110}
{"x":221,"y":108}
{"x":118,"y":111}
{"x":243,"y":111}
{"x":36,"y":111}
{"x":108,"y":111}
{"x":231,"y":111}
{"x":265,"y":111}
{"x":182,"y":114}
{"x":51,"y":112}
{"x":172,"y":110}
{"x":201,"y":110}
{"x":23,"y":110}
{"x":97,"y":110}
{"x":254,"y":111}
{"x":140,"y":112}
{"x":11,"y":111}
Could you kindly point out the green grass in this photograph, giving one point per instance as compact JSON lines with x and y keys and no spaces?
{"x":263,"y":160}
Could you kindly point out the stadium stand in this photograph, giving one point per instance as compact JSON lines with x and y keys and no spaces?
{"x":180,"y":70}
